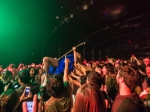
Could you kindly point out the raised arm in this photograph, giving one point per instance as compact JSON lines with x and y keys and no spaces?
{"x":66,"y":70}
{"x":75,"y":54}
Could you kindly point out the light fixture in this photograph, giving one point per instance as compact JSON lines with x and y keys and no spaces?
{"x":85,"y":7}
{"x":57,"y":17}
{"x":71,"y":15}
{"x":65,"y":19}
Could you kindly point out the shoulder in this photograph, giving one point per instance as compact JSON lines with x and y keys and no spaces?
{"x":20,"y":90}
{"x":132,"y":104}
{"x":49,"y":105}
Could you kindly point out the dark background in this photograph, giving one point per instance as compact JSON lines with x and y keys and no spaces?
{"x":32,"y":29}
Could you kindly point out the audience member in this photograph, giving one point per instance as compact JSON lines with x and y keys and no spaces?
{"x":89,"y":99}
{"x":125,"y":101}
{"x":9,"y":101}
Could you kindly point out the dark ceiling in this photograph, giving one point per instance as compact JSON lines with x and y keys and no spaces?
{"x":114,"y":28}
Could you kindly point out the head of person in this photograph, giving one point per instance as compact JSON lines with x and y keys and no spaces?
{"x":147,"y":69}
{"x":40,"y":71}
{"x":98,"y":69}
{"x":83,"y":79}
{"x":89,"y":99}
{"x":6,"y":76}
{"x":117,"y":64}
{"x":23,"y":77}
{"x":95,"y":78}
{"x":108,"y":68}
{"x":127,"y":76}
{"x":55,"y":85}
{"x":31,"y":71}
{"x":146,"y":61}
{"x":111,"y":60}
{"x":94,"y":64}
{"x":35,"y":88}
{"x":9,"y":100}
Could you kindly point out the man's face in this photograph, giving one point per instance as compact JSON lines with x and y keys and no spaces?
{"x":146,"y":61}
{"x":94,"y":65}
{"x":148,"y":71}
{"x":5,"y":77}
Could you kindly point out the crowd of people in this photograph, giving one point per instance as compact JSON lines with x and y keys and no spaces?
{"x":75,"y":85}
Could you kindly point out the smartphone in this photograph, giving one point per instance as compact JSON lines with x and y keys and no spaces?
{"x":27,"y":90}
{"x":29,"y":105}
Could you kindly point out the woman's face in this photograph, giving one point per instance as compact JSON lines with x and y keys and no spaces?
{"x":104,"y":70}
{"x":32,"y":72}
{"x":41,"y":71}
{"x":98,"y":70}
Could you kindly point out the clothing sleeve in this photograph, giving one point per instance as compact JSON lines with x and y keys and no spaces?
{"x":66,"y":84}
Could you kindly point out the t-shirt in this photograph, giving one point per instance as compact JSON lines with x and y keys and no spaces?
{"x":63,"y":103}
{"x":127,"y":103}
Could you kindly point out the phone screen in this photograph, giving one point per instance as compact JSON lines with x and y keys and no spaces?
{"x":27,"y":91}
{"x":29,"y":106}
{"x":16,"y":86}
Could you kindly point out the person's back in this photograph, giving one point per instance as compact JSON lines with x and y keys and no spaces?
{"x":89,"y":99}
{"x":60,"y":100}
{"x":127,"y":103}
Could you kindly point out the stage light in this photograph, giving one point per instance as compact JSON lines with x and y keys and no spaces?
{"x":57,"y":17}
{"x":71,"y":15}
{"x":65,"y":19}
{"x":85,"y":7}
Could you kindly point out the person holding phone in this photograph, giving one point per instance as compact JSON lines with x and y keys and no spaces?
{"x":28,"y":105}
{"x":24,"y":80}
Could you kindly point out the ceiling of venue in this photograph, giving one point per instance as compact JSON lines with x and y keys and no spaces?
{"x":32,"y":29}
{"x":113,"y":28}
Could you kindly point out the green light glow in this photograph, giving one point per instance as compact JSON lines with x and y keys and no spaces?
{"x":8,"y":21}
{"x":23,"y":26}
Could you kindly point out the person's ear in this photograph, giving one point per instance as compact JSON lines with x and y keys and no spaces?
{"x":121,"y":79}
